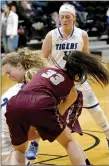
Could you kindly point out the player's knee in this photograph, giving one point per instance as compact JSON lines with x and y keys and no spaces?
{"x":98,"y":114}
{"x":96,"y":110}
{"x":67,"y":143}
{"x":65,"y":138}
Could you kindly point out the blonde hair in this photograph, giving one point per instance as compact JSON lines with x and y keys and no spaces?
{"x":30,"y":73}
{"x":27,"y":58}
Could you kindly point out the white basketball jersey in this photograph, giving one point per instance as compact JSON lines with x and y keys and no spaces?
{"x":61,"y":47}
{"x":6,"y":141}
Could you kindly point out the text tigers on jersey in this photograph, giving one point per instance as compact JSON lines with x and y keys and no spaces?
{"x":66,"y":46}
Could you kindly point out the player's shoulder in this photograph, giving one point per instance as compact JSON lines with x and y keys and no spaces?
{"x":83,"y":32}
{"x":12,"y":91}
{"x":53,"y":31}
{"x":14,"y":88}
{"x":85,"y":35}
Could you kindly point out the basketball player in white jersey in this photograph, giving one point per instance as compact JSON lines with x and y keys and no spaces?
{"x":60,"y":42}
{"x":6,"y":146}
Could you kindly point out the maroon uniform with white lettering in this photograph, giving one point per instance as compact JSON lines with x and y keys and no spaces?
{"x":37,"y":105}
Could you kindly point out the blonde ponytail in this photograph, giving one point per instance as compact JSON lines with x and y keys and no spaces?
{"x":30,"y":73}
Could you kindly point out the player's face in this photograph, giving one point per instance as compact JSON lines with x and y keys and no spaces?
{"x":66,"y":19}
{"x":14,"y":73}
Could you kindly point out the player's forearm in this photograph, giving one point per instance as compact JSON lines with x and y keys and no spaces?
{"x":65,"y":104}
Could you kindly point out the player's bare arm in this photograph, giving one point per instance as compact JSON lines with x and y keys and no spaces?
{"x":47,"y":45}
{"x":65,"y":104}
{"x":86,"y":41}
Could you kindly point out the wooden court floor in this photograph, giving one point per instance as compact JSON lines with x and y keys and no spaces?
{"x":93,"y":141}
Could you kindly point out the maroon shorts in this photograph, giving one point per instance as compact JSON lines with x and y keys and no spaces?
{"x":33,"y":109}
{"x":72,"y":114}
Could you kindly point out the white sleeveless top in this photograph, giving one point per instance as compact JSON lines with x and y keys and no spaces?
{"x":60,"y":47}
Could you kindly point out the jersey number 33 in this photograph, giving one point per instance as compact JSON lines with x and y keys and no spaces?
{"x":54,"y":77}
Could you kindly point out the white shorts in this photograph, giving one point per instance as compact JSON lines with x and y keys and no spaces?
{"x":89,"y":98}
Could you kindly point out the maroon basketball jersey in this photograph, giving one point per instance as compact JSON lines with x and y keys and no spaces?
{"x":51,"y":80}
